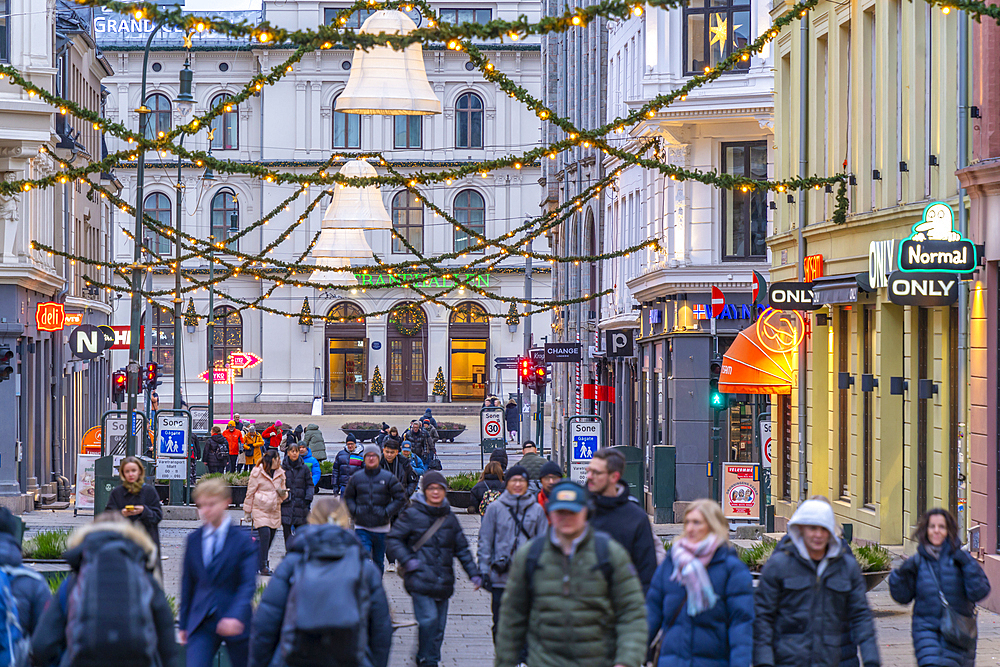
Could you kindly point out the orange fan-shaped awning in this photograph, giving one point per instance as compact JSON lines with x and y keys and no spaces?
{"x":763,"y":359}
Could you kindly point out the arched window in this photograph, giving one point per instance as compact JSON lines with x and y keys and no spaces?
{"x":469,"y":121}
{"x":470,"y":211}
{"x":225,"y":131}
{"x":346,"y":129}
{"x":158,"y":120}
{"x":469,"y":313}
{"x":228,"y":336}
{"x":408,"y":221}
{"x":345,"y":311}
{"x":157,"y":207}
{"x":163,"y":337}
{"x":225,"y":216}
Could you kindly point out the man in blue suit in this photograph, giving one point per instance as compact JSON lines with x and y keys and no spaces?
{"x":218,"y":582}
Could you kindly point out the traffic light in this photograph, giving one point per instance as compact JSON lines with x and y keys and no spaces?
{"x":716,"y":399}
{"x":526,"y":370}
{"x":119,"y":381}
{"x":6,"y":363}
{"x":151,"y":378}
{"x":541,"y":378}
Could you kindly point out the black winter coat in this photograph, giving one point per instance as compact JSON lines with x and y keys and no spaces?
{"x":806,"y":619}
{"x":500,"y":456}
{"x":488,"y":483}
{"x":298,"y":481}
{"x":30,"y":593}
{"x":216,"y":451}
{"x":403,"y":471}
{"x":374,"y":497}
{"x":422,"y":444}
{"x":342,"y":469}
{"x":963,"y":582}
{"x":266,"y":629}
{"x":152,"y":512}
{"x":434,"y":576}
{"x":512,"y":416}
{"x":623,"y":519}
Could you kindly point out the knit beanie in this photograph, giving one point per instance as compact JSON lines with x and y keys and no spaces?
{"x":351,"y":438}
{"x":550,"y":468}
{"x":432,"y":477}
{"x":371,"y":449}
{"x":516,"y":471}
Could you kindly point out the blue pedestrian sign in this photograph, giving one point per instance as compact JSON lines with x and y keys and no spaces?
{"x":173,"y":429}
{"x":583,"y":447}
{"x":586,"y":436}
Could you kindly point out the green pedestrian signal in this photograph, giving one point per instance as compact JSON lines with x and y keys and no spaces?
{"x":717,"y":400}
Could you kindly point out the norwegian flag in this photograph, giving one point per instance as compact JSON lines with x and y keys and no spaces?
{"x":700,"y":311}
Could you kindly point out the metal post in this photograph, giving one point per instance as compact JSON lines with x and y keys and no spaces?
{"x":803,"y":165}
{"x":211,"y":333}
{"x":177,"y":285}
{"x":137,"y":273}
{"x":525,"y":420}
{"x":963,"y":286}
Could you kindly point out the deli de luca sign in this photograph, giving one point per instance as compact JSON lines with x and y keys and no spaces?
{"x":929,"y":264}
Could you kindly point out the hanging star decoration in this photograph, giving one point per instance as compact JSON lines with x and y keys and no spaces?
{"x":720,"y":32}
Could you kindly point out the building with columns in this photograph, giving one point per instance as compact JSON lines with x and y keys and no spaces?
{"x":292,"y":126}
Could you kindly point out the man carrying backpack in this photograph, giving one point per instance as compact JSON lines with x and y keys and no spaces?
{"x":425,"y":540}
{"x":326,"y":593}
{"x":110,"y":611}
{"x":19,"y":585}
{"x":374,"y":497}
{"x":572,"y":595}
{"x":218,"y":581}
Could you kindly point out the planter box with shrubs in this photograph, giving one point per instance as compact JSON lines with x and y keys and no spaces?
{"x":362,"y":430}
{"x":449,"y":430}
{"x":460,"y":487}
{"x":43,"y":552}
{"x":237,"y":484}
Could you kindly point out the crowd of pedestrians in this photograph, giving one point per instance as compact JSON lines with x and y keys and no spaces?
{"x":576,"y":576}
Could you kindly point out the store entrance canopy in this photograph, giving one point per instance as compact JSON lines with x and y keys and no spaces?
{"x":763,"y":359}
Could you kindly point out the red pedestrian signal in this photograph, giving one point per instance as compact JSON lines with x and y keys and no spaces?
{"x":119,"y":381}
{"x":6,"y":363}
{"x":151,"y":376}
{"x":525,"y":370}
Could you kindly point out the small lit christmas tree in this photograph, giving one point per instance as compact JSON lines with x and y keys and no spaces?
{"x":378,"y":389}
{"x":191,"y":315}
{"x":305,"y":315}
{"x":439,"y":386}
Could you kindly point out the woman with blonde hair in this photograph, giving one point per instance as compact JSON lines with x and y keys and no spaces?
{"x":701,"y":597}
{"x":327,"y":539}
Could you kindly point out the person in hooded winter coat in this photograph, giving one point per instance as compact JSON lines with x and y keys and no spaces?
{"x":510,"y":521}
{"x":311,"y":463}
{"x":313,"y":438}
{"x":512,"y":419}
{"x":429,"y":417}
{"x":29,"y":588}
{"x":48,"y":643}
{"x":295,"y":508}
{"x":428,"y":572}
{"x":810,"y":604}
{"x":500,"y":456}
{"x":327,"y":535}
{"x":940,"y":565}
{"x":702,"y":596}
{"x":216,"y":455}
{"x":491,"y":479}
{"x":265,"y":493}
{"x":346,"y":463}
{"x":253,"y":447}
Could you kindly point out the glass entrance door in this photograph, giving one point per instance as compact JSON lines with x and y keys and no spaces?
{"x":468,"y":370}
{"x":347,"y":371}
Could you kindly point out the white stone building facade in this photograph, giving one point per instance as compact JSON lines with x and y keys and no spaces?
{"x":292,"y":126}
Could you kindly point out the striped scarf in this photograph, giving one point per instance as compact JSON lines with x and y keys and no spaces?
{"x":689,"y":560}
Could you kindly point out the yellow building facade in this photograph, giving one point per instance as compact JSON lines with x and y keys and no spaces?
{"x":881,"y":107}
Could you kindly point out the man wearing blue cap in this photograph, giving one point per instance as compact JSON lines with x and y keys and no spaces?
{"x":572,"y":596}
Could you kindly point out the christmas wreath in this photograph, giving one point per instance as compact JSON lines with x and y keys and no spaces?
{"x":408,"y":319}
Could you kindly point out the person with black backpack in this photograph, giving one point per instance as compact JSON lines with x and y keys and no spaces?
{"x":425,"y":540}
{"x":110,"y":611}
{"x":510,"y":521}
{"x":326,"y":598}
{"x":22,"y":590}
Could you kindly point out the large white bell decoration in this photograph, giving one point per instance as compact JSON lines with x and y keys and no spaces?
{"x":386,"y":81}
{"x":357,"y":208}
{"x":335,"y":248}
{"x":333,"y":277}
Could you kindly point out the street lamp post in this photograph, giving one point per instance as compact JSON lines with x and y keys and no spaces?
{"x":185,"y":102}
{"x":137,"y":272}
{"x":211,"y":332}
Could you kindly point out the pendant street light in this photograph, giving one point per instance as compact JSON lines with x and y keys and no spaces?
{"x":385,"y":81}
{"x":185,"y":103}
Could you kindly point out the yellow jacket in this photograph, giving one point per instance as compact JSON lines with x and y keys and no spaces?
{"x":253,"y":447}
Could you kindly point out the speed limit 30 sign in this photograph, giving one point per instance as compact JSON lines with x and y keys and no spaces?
{"x":492,"y":428}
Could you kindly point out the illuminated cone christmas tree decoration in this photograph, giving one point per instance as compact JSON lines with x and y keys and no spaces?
{"x":305,"y":315}
{"x":439,"y":387}
{"x":191,"y":316}
{"x":378,"y":388}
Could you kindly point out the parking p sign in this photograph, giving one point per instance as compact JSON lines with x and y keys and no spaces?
{"x":173,"y":429}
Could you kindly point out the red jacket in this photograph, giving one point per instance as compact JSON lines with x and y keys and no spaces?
{"x":235,"y":440}
{"x":542,"y":499}
{"x":273,"y":436}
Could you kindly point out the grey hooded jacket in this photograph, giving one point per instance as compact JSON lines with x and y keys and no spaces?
{"x":500,"y":534}
{"x":313,"y":438}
